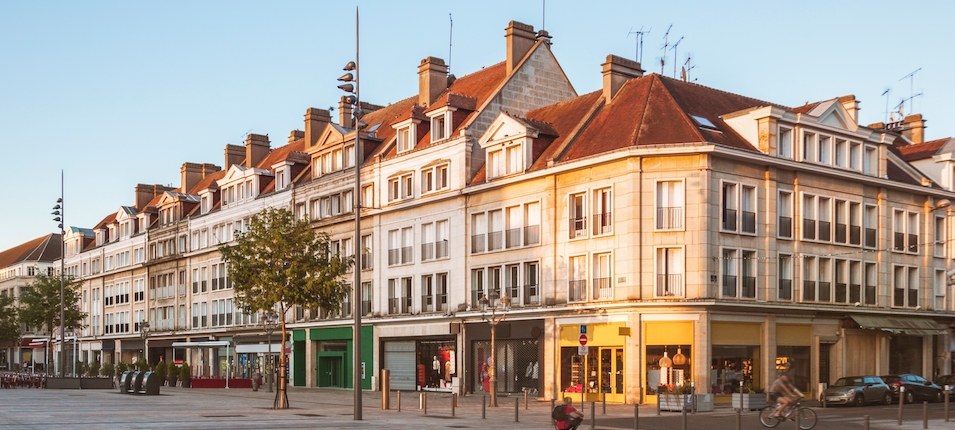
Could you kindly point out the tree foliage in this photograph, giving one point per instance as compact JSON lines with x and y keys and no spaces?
{"x":9,"y":319}
{"x":280,"y":262}
{"x":40,"y":304}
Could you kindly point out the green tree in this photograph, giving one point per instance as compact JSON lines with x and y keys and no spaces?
{"x":280,"y":262}
{"x":9,"y":319}
{"x":40,"y":304}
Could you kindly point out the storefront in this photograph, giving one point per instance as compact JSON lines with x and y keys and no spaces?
{"x":518,"y":357}
{"x":794,"y":355}
{"x":601,"y":369}
{"x":668,"y":353}
{"x":334,"y":362}
{"x":425,"y":364}
{"x":735,"y":357}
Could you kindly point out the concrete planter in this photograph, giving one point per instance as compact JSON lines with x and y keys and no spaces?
{"x":677,"y":402}
{"x":751,"y":402}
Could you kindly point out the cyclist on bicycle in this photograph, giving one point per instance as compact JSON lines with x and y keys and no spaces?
{"x":783,"y":392}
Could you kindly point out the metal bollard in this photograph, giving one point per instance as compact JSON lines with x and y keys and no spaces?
{"x":901,"y":401}
{"x":948,"y":392}
{"x":604,"y":401}
{"x":739,"y":417}
{"x":483,"y":407}
{"x":525,"y":399}
{"x":693,"y":396}
{"x":517,"y":409}
{"x":924,"y":414}
{"x":385,"y":389}
{"x":424,"y":404}
{"x":658,"y":404}
{"x":865,"y":423}
{"x":796,"y":421}
{"x":683,"y":412}
{"x":454,"y":401}
{"x":399,"y":400}
{"x":455,"y":395}
{"x":636,"y":416}
{"x":593,"y":415}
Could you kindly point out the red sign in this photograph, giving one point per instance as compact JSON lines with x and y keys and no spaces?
{"x":583,"y":339}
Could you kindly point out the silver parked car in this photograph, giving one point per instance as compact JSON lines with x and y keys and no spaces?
{"x":858,"y":390}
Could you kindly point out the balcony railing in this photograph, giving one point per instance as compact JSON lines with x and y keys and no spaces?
{"x":495,"y":240}
{"x":398,"y":305}
{"x":749,"y":287}
{"x":785,"y":289}
{"x":669,"y":218}
{"x":809,"y":290}
{"x":602,"y":289}
{"x":578,"y":227}
{"x":407,"y":254}
{"x":855,"y":293}
{"x":870,"y":294}
{"x":531,"y":295}
{"x":729,"y":285}
{"x":785,"y":226}
{"x":441,"y":249}
{"x":603,"y":223}
{"x":899,"y":243}
{"x":825,"y":291}
{"x":478,"y":242}
{"x":669,"y":285}
{"x":427,"y":303}
{"x":855,"y":235}
{"x":825,"y":231}
{"x":394,"y":256}
{"x":841,"y":233}
{"x":870,"y":237}
{"x":427,"y":251}
{"x":512,"y":238}
{"x":577,"y":290}
{"x":366,"y":307}
{"x":729,"y":219}
{"x":841,"y":292}
{"x":532,"y":235}
{"x":749,"y":222}
{"x":366,"y":261}
{"x":913,"y":243}
{"x":809,"y":229}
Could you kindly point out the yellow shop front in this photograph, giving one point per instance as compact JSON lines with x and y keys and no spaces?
{"x":600,"y":370}
{"x":668,"y":353}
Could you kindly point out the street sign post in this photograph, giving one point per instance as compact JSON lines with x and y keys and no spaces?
{"x":583,"y":340}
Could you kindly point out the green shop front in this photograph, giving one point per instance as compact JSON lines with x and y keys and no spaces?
{"x":329,"y":352}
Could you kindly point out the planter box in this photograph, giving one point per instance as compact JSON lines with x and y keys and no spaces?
{"x":751,"y":402}
{"x":678,"y":402}
{"x":96,"y":383}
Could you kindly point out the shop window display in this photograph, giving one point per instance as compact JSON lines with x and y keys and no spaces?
{"x":518,"y":366}
{"x":436,"y":365}
{"x":734,"y":364}
{"x":796,"y":361}
{"x":668,"y":367}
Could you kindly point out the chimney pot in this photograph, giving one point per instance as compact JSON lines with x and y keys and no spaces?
{"x":256,"y":149}
{"x":913,"y":127}
{"x":520,"y":38}
{"x":315,"y":122}
{"x":616,"y":72}
{"x":432,"y":80}
{"x":295,"y":135}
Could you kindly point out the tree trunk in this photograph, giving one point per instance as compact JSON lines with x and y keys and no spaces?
{"x":281,"y":395}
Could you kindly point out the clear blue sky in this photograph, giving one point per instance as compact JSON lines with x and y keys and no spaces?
{"x":117,"y":93}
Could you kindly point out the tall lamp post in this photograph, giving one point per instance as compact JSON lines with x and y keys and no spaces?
{"x":350,"y":86}
{"x":490,"y":304}
{"x":60,"y":212}
{"x":144,"y":333}
{"x":269,"y":321}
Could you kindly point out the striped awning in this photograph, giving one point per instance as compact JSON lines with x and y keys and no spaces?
{"x":900,"y":324}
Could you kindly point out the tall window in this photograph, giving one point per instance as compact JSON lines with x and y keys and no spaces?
{"x":603,"y":277}
{"x":669,"y":272}
{"x":427,"y":241}
{"x":825,"y":280}
{"x":871,"y":225}
{"x":532,"y":223}
{"x":531,"y":283}
{"x":578,"y":215}
{"x":785,"y":213}
{"x":366,"y":252}
{"x":441,"y":239}
{"x":809,"y":147}
{"x":870,"y":164}
{"x":478,"y":232}
{"x":729,"y":207}
{"x":495,"y":233}
{"x":809,"y":273}
{"x":670,"y":202}
{"x":404,"y":139}
{"x":785,"y":144}
{"x":785,"y":289}
{"x":748,"y":271}
{"x":577,"y":278}
{"x":438,"y":129}
{"x":748,"y":206}
{"x":729,"y":272}
{"x":842,"y":221}
{"x":809,"y":217}
{"x":478,"y":288}
{"x":940,"y":235}
{"x":871,"y":279}
{"x":603,"y":211}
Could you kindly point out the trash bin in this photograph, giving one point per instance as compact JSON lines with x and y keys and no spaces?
{"x":150,"y":384}
{"x":124,"y":382}
{"x":137,"y":384}
{"x":256,"y":381}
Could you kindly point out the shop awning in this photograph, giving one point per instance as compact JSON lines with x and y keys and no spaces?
{"x":261,"y":348}
{"x":899,"y":324}
{"x":203,"y":344}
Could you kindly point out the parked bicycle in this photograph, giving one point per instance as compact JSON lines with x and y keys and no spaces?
{"x":806,"y":416}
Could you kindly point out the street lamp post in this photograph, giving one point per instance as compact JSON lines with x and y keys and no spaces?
{"x":144,"y":333}
{"x":351,"y":86}
{"x":60,"y":212}
{"x":269,"y":321}
{"x":490,"y":304}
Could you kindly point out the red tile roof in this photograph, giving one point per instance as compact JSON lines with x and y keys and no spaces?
{"x":922,"y":150}
{"x":45,"y":248}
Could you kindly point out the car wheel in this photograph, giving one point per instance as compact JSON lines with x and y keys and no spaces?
{"x":887,"y":399}
{"x":858,"y":400}
{"x":909,"y":397}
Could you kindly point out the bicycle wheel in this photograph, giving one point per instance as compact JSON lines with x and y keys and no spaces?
{"x":807,"y":418}
{"x":766,"y":417}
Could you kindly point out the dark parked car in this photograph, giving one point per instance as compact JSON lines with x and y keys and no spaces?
{"x":916,"y":387}
{"x":948,"y":380}
{"x":858,"y":390}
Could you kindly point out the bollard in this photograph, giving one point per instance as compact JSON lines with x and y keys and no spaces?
{"x":683,"y":412}
{"x":865,"y":423}
{"x":948,"y":392}
{"x":924,"y":414}
{"x":454,"y":401}
{"x":399,"y":400}
{"x":553,"y":405}
{"x":636,"y":416}
{"x":483,"y":407}
{"x":593,"y":415}
{"x":517,"y":408}
{"x":796,"y":421}
{"x":525,"y":400}
{"x":693,"y":396}
{"x":739,"y":417}
{"x":658,"y":404}
{"x":901,"y":401}
{"x":604,"y":402}
{"x":385,"y":389}
{"x":424,"y":404}
{"x":420,"y":400}
{"x":455,"y":395}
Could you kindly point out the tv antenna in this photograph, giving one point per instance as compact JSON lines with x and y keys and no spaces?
{"x":638,"y":54}
{"x":663,"y":58}
{"x":450,"y":40}
{"x":912,"y":94}
{"x":675,"y":45}
{"x":687,"y":66}
{"x":886,"y":94}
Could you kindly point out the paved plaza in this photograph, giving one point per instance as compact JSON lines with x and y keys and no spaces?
{"x":178,"y":408}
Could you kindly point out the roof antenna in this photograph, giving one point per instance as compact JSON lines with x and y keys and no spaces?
{"x":638,"y":54}
{"x":450,"y":40}
{"x":687,"y":66}
{"x":674,"y":55}
{"x":663,"y":58}
{"x":543,"y":14}
{"x":886,"y":94}
{"x":912,"y":94}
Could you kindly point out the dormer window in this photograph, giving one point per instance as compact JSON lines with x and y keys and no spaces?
{"x":281,"y":180}
{"x":405,"y":142}
{"x":204,"y":205}
{"x":439,"y":129}
{"x":505,"y":160}
{"x":349,"y":156}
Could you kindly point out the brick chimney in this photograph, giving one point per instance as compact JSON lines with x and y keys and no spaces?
{"x":913,"y":127}
{"x":145,"y":193}
{"x":295,"y":135}
{"x":432,"y":80}
{"x":234,"y":154}
{"x":191,"y":174}
{"x":315,"y":122}
{"x":209,"y":168}
{"x":520,"y":39}
{"x":256,"y":149}
{"x":851,"y":105}
{"x":345,"y":119}
{"x":617,"y":71}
